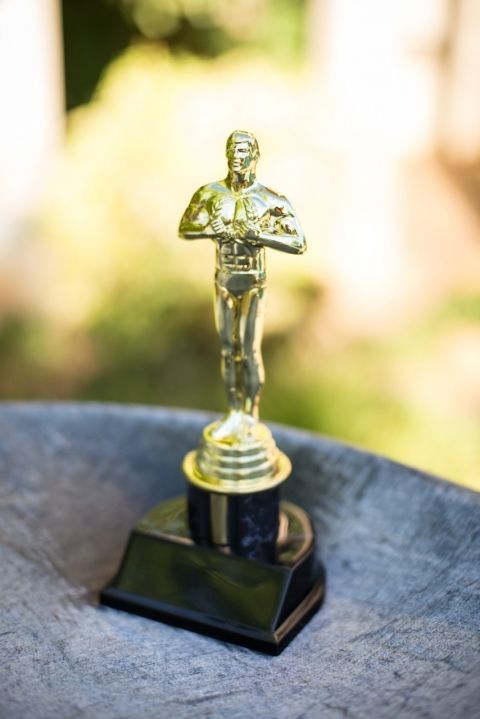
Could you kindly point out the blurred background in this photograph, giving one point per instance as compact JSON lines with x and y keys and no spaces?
{"x":368,"y":117}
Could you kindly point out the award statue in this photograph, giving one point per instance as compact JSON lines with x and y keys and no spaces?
{"x":230,"y":560}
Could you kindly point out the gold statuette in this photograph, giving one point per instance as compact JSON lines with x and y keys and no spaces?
{"x":237,"y":454}
{"x":230,"y":559}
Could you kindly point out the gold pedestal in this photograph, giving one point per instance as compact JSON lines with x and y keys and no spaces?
{"x":238,"y":463}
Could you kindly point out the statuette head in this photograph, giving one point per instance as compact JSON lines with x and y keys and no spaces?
{"x":242,"y":152}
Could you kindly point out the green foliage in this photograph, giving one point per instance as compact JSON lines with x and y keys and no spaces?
{"x":94,"y":34}
{"x":32,"y":355}
{"x":97,"y":32}
{"x":155,"y":344}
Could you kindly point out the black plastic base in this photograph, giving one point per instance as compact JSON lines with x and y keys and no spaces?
{"x":165,"y":576}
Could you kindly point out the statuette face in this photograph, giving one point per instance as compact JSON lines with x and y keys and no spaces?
{"x":243,"y":218}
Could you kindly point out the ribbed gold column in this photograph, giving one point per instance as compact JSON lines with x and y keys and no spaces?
{"x":250,"y":462}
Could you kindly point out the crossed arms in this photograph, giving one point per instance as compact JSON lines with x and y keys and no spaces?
{"x":278,"y":229}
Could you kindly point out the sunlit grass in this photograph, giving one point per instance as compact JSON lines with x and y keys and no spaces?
{"x":353,"y":395}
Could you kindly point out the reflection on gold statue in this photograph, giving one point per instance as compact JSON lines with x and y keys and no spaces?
{"x":242,"y":217}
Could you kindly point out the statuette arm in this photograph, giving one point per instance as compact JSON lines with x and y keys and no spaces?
{"x":280,"y":230}
{"x":195,"y":223}
{"x":294,"y":245}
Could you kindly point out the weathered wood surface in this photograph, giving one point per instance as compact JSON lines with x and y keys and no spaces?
{"x":398,"y":635}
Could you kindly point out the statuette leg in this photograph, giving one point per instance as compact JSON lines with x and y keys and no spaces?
{"x":250,"y":333}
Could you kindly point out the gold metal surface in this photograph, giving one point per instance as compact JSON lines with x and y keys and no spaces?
{"x":296,"y":537}
{"x":219,"y":519}
{"x":241,"y":485}
{"x":237,"y":454}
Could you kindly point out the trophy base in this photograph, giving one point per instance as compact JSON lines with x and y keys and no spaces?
{"x":166,"y":577}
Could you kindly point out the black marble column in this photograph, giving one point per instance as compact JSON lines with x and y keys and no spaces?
{"x":249,"y":522}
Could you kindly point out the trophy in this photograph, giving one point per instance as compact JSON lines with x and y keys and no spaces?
{"x":230,"y":559}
